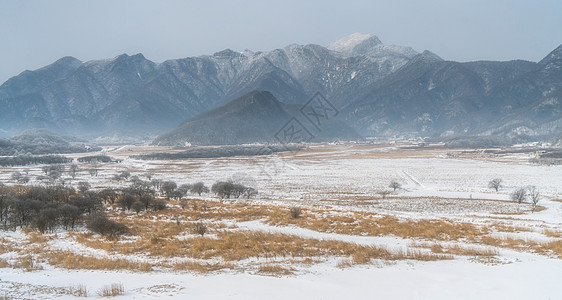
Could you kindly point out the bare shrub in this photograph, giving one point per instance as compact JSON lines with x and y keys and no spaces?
{"x":79,"y":291}
{"x":295,"y":212}
{"x":100,"y":224}
{"x":73,"y":170}
{"x":27,"y":263}
{"x":200,"y":228}
{"x":383,"y":193}
{"x":126,"y":201}
{"x":83,"y":186}
{"x":183,"y":204}
{"x":137,"y":206}
{"x":158,"y":205}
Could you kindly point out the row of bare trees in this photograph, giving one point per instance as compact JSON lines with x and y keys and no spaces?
{"x":522,"y":194}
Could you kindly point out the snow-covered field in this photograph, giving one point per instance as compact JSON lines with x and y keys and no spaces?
{"x":435,"y":185}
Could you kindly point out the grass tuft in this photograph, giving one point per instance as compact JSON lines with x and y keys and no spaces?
{"x":115,"y":289}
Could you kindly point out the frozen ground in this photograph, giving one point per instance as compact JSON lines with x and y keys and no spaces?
{"x":435,"y":185}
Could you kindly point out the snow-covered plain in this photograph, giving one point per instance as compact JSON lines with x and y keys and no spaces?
{"x":435,"y":185}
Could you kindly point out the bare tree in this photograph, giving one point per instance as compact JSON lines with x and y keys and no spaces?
{"x":73,"y":170}
{"x":156,"y":183}
{"x":137,"y":206}
{"x":383,"y":193}
{"x":93,"y":171}
{"x":519,"y":195}
{"x":19,"y":177}
{"x":495,"y":184}
{"x":199,"y":188}
{"x":168,"y":188}
{"x":395,"y":185}
{"x":184,"y":189}
{"x":83,"y":186}
{"x":125,"y":174}
{"x":116,"y":177}
{"x":534,"y":196}
{"x":54,"y":175}
{"x":250,"y":192}
{"x":126,"y":201}
{"x":200,"y":228}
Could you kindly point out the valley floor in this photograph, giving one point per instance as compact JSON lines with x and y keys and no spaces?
{"x":443,"y":235}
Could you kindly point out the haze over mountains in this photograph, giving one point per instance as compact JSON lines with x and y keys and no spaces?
{"x":256,"y":116}
{"x":379,"y":90}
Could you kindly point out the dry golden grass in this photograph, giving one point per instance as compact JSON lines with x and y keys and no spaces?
{"x":79,"y":291}
{"x":355,"y":223}
{"x":240,"y":245}
{"x":27,"y":263}
{"x":471,"y":251}
{"x":115,"y":289}
{"x":34,"y":237}
{"x":69,"y":260}
{"x":555,"y":247}
{"x":169,"y":234}
{"x":501,"y":227}
{"x":4,"y":263}
{"x":275,"y":270}
{"x":7,"y":246}
{"x":553,"y":233}
{"x":549,"y":248}
{"x":376,"y":225}
{"x":538,"y":208}
{"x":201,"y":268}
{"x":344,"y":263}
{"x":462,"y":250}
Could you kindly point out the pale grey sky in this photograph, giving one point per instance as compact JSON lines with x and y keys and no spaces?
{"x":36,"y":33}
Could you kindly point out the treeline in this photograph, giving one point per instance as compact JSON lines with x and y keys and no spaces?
{"x":46,"y":208}
{"x":230,"y":189}
{"x":39,"y":144}
{"x":477,"y":142}
{"x":222,"y":151}
{"x":97,"y":159}
{"x":552,"y":154}
{"x":24,"y":160}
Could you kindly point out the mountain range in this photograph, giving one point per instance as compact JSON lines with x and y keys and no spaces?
{"x":378,"y":90}
{"x":255,"y":117}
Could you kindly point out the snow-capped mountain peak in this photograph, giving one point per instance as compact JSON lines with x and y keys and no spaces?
{"x":349,"y":43}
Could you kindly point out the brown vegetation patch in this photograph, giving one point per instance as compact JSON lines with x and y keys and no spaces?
{"x":376,"y":225}
{"x":549,"y":248}
{"x":275,"y":270}
{"x":202,"y":268}
{"x":70,"y":260}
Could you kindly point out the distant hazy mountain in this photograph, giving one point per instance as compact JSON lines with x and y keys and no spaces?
{"x":432,"y":97}
{"x":380,"y":90}
{"x":256,"y":117}
{"x":42,"y":142}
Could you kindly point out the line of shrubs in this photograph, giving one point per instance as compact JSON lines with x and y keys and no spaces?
{"x":46,"y":208}
{"x":24,"y":160}
{"x":222,"y":151}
